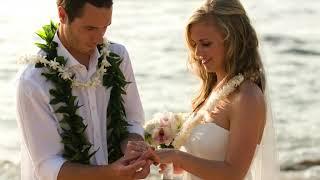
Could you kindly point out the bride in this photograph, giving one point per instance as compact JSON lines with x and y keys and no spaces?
{"x":230,"y":133}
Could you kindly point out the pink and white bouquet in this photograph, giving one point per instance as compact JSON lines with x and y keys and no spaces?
{"x":161,"y":130}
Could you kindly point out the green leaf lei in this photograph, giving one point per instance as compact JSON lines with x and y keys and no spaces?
{"x":76,"y":145}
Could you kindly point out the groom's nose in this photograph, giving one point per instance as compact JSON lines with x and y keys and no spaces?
{"x":97,"y":37}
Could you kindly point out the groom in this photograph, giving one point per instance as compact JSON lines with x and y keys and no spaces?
{"x":46,"y":151}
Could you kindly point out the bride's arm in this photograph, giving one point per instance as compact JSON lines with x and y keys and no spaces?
{"x":246,"y":125}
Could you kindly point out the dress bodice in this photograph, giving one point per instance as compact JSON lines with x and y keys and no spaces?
{"x":209,"y":141}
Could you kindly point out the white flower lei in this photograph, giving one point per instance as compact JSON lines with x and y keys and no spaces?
{"x":65,"y":72}
{"x":214,"y":98}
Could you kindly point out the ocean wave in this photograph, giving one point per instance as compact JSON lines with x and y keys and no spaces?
{"x":280,"y":39}
{"x":300,"y":51}
{"x":300,"y":166}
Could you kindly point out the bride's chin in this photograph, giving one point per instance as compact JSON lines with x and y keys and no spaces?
{"x":209,"y":70}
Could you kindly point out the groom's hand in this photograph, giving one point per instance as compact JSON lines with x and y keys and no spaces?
{"x":125,"y":170}
{"x":144,"y":171}
{"x":136,"y":147}
{"x":146,"y":156}
{"x":145,"y":152}
{"x":131,"y":138}
{"x":139,"y":148}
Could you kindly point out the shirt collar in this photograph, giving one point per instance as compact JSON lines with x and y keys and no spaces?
{"x":71,"y":61}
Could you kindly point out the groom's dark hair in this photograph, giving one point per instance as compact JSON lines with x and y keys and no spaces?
{"x":74,"y":7}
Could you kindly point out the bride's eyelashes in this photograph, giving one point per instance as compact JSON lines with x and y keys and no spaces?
{"x":207,"y":44}
{"x":203,"y":44}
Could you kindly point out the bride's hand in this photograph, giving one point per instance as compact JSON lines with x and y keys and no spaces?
{"x":169,"y":156}
{"x":166,"y":155}
{"x":176,"y":169}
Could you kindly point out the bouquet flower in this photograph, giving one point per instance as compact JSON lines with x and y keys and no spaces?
{"x":161,"y":131}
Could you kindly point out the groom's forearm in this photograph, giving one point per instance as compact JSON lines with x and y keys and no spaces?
{"x":131,"y":137}
{"x":74,"y":171}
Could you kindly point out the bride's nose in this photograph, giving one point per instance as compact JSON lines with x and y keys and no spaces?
{"x":199,"y":53}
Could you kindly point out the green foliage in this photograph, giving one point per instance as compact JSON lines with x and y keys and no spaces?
{"x":116,"y":113}
{"x":163,"y":146}
{"x":148,"y":138}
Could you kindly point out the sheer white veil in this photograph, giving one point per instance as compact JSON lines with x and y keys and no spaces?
{"x":265,"y":165}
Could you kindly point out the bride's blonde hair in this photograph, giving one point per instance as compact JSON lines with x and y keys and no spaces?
{"x":240,"y":42}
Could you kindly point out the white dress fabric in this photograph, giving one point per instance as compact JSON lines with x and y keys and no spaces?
{"x":209,"y":141}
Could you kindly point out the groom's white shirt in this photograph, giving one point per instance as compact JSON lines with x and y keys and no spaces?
{"x":41,"y":147}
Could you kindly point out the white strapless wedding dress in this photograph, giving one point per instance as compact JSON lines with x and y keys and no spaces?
{"x":209,"y":141}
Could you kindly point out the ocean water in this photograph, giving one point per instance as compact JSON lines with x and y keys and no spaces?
{"x":289,"y":32}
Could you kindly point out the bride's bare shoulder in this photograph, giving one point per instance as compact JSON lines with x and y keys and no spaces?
{"x":249,"y":91}
{"x":249,"y":97}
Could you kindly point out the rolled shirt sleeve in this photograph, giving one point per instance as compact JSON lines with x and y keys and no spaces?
{"x":40,"y":134}
{"x":133,"y":105}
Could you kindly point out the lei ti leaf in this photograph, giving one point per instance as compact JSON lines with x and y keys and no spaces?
{"x":116,"y":113}
{"x":47,"y":34}
{"x":76,"y":146}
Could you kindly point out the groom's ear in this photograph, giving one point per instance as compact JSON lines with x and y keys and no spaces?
{"x":63,"y":16}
